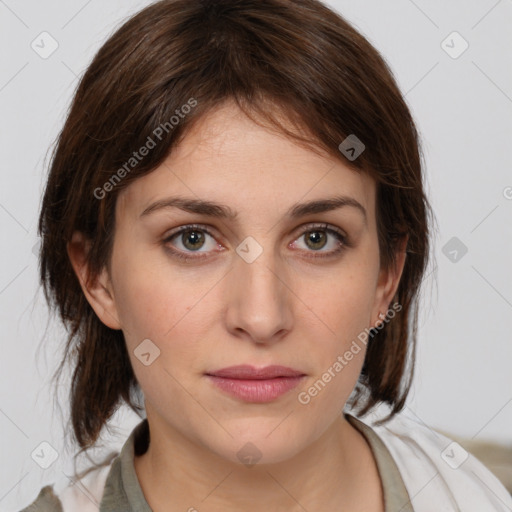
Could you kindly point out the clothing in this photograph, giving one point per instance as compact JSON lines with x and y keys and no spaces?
{"x":415,"y":463}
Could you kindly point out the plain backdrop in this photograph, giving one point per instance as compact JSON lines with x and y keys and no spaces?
{"x":462,"y":103}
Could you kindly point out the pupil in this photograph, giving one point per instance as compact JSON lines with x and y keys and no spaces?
{"x":195,"y":236}
{"x":317,"y":237}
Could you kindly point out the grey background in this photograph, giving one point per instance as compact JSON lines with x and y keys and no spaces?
{"x":463,"y":108}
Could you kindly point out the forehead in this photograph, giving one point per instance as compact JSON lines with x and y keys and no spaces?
{"x":228,"y":158}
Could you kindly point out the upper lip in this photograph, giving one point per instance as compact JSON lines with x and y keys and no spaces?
{"x":250,"y":372}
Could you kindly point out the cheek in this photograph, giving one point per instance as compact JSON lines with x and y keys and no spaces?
{"x":347,"y":318}
{"x":344,"y":302}
{"x":344,"y":307}
{"x":155,"y":301}
{"x":163,"y":312}
{"x":339,"y":353}
{"x":156,"y":310}
{"x":148,"y":295}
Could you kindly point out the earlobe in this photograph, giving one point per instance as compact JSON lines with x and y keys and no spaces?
{"x":97,"y":289}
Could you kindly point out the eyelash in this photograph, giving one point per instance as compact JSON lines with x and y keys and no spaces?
{"x":342,"y":238}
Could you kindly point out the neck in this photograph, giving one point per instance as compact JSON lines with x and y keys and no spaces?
{"x":336,"y":471}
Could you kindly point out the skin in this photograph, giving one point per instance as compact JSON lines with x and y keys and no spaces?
{"x":287,"y":307}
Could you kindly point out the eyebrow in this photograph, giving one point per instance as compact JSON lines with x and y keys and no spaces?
{"x":213,"y":209}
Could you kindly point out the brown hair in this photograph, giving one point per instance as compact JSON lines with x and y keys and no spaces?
{"x":293,"y":56}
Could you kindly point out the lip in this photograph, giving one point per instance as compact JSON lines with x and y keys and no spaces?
{"x":246,"y":371}
{"x":258,"y":385}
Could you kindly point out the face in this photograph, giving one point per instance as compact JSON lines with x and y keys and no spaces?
{"x":269,"y":285}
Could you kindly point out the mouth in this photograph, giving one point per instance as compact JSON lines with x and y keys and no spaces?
{"x":257,"y":385}
{"x":249,"y":372}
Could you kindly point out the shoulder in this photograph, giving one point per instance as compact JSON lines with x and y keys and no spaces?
{"x":83,"y":495}
{"x":46,"y":501}
{"x":100,"y":486}
{"x":438,"y":473}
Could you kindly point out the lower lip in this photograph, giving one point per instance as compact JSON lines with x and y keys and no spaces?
{"x":258,"y":391}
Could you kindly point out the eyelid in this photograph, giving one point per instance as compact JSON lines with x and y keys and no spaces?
{"x":187,"y":256}
{"x":310,"y":226}
{"x":344,"y":242}
{"x":189,"y":227}
{"x":302,"y":230}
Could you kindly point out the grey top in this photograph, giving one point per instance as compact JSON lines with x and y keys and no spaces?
{"x":123,"y":493}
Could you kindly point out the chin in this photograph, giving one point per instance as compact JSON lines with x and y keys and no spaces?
{"x":259,"y":447}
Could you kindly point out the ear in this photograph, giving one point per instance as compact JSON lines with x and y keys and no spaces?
{"x":98,"y":291}
{"x":387,"y":285}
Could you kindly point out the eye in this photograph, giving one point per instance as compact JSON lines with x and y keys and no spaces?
{"x":190,"y":239}
{"x":198,"y":239}
{"x":319,"y":236}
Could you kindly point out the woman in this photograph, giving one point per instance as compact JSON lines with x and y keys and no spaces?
{"x":270,"y":138}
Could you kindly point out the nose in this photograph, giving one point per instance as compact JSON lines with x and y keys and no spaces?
{"x":259,"y":299}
